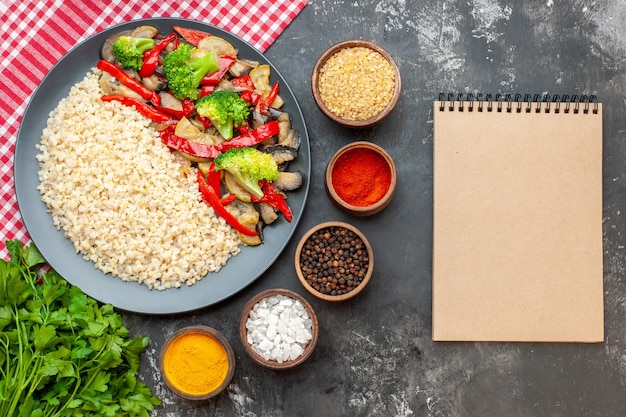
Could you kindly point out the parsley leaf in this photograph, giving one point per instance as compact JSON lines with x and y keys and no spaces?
{"x":61,"y":352}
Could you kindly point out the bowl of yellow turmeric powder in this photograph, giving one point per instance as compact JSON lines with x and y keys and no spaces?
{"x":197,"y":362}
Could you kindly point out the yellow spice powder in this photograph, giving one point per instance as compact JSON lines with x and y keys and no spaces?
{"x":356,"y":83}
{"x":195,"y":363}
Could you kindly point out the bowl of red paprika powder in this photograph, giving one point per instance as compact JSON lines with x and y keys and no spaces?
{"x":197,"y":362}
{"x":361,"y":178}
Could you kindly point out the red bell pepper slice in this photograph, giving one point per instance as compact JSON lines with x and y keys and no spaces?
{"x":201,"y":150}
{"x":151,"y":57}
{"x":228,"y":199}
{"x":214,"y":78}
{"x":244,"y":81}
{"x":206,"y":122}
{"x":214,"y":178}
{"x":128,"y":81}
{"x":250,"y":97}
{"x":274,"y":199}
{"x":248,"y":94}
{"x":212,"y":199}
{"x":253,"y":137}
{"x":186,"y":111}
{"x":191,"y":35}
{"x":142,"y":107}
{"x":205,"y":90}
{"x":266,"y":102}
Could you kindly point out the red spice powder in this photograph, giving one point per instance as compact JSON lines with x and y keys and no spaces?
{"x":361,"y":177}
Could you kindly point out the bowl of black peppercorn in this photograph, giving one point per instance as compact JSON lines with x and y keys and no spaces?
{"x":334,"y":261}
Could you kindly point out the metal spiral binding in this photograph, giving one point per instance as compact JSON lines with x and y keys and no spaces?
{"x":517,"y":103}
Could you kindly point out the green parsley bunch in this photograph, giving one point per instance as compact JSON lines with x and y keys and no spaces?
{"x":62,"y":353}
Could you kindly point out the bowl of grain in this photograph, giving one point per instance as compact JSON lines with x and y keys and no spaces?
{"x":197,"y":362}
{"x":334,"y":261}
{"x":361,"y":178}
{"x":278,"y":328}
{"x":356,"y":83}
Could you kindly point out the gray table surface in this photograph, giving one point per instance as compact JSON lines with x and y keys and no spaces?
{"x":375,"y":356}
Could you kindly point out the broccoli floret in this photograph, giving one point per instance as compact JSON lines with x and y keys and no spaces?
{"x":129,"y":50}
{"x":224,"y":109}
{"x":248,"y":166}
{"x":184,"y":71}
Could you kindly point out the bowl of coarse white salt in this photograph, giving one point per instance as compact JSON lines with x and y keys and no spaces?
{"x":278,"y":328}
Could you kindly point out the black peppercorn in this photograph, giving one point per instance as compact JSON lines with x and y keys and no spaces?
{"x":333,"y":260}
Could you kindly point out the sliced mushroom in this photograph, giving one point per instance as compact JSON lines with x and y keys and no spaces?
{"x":154,"y":82}
{"x":110,"y":85}
{"x":171,"y":102}
{"x":242,"y":67}
{"x":292,"y":140}
{"x":218,"y":45}
{"x":268,"y":213}
{"x":281,"y":154}
{"x":258,"y":119}
{"x":225,"y":84}
{"x":289,"y":181}
{"x":144,"y":31}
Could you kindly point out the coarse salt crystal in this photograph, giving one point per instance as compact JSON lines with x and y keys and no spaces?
{"x":279,"y":328}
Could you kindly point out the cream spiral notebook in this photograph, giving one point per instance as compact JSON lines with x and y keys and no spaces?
{"x":517,"y":226}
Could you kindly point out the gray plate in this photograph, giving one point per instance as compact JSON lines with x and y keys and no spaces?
{"x":239,"y":272}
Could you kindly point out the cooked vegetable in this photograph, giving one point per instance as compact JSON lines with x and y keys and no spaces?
{"x":129,"y":51}
{"x":289,"y":181}
{"x":220,"y":113}
{"x":218,"y":45}
{"x":61,"y":353}
{"x":127,"y":80}
{"x":250,"y":220}
{"x":191,"y":35}
{"x":210,"y":81}
{"x":151,"y":59}
{"x":248,"y":166}
{"x":141,"y":106}
{"x":184,"y":70}
{"x":275,"y":199}
{"x":225,"y":109}
{"x":211,"y":198}
{"x":236,"y":189}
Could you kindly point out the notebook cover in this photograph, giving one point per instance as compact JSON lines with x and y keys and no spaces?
{"x":517,"y":233}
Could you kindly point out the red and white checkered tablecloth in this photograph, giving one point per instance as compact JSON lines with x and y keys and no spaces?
{"x":59,"y":25}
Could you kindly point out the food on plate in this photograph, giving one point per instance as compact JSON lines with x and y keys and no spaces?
{"x":129,"y":159}
{"x":122,"y":198}
{"x":248,"y":167}
{"x":129,"y":50}
{"x":184,"y":68}
{"x":224,"y":109}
